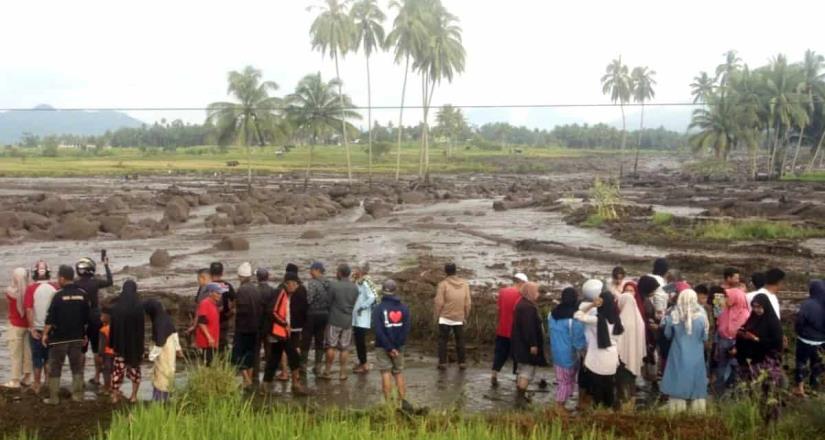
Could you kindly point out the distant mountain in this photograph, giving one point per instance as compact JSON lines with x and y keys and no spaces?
{"x":45,"y":120}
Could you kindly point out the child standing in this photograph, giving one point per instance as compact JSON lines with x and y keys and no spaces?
{"x":105,"y":352}
{"x":392,"y":326}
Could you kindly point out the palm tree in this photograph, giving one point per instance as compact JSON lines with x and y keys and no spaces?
{"x":642,"y":82}
{"x":746,"y":91}
{"x":702,"y":87}
{"x":407,"y":36}
{"x":723,"y":71}
{"x":315,"y":108}
{"x":616,"y":83}
{"x":369,"y":28}
{"x":332,"y":32}
{"x":442,"y":57}
{"x":451,"y":123}
{"x":246,"y":120}
{"x":785,"y":103}
{"x":717,"y":127}
{"x":812,"y":86}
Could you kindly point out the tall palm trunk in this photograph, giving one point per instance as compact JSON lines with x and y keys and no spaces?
{"x":401,"y":121}
{"x":343,"y":121}
{"x":774,"y":147}
{"x":624,"y":142}
{"x":639,"y":147}
{"x":309,"y":162}
{"x":369,"y":120}
{"x":798,"y":146}
{"x":428,"y":99}
{"x":817,"y":151}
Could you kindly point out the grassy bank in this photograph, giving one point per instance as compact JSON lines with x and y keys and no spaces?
{"x":326,"y":159}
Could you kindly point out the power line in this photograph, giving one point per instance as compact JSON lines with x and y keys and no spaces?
{"x":381,"y":107}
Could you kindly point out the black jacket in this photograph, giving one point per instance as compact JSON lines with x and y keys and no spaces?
{"x":527,"y":332}
{"x":248,"y":308}
{"x":92,"y":286}
{"x":68,"y":315}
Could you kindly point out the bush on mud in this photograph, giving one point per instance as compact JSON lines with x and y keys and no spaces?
{"x":753,"y":230}
{"x":662,"y":218}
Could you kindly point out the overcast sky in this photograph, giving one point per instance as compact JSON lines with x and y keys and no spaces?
{"x":162,"y":53}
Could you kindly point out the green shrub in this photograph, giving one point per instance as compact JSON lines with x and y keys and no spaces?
{"x":204,"y":384}
{"x":662,"y":218}
{"x":593,"y":221}
{"x":753,"y":230}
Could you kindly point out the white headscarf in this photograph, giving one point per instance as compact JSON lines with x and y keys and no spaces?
{"x":631,"y":344}
{"x":687,"y":309}
{"x":17,"y":289}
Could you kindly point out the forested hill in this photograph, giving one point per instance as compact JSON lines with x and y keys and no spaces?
{"x":43,"y":121}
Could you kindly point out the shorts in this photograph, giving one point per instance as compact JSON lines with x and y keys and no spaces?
{"x":93,"y":333}
{"x":108,"y":364}
{"x":526,"y":372}
{"x":385,"y":363}
{"x":40,"y":353}
{"x":337,"y":337}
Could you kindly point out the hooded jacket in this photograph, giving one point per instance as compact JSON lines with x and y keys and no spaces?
{"x":810,"y":321}
{"x":319,"y":297}
{"x":391,"y":320}
{"x":452,"y":299}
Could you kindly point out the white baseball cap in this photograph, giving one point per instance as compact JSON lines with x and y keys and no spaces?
{"x":591,"y":289}
{"x":245,"y":270}
{"x":521,"y":277}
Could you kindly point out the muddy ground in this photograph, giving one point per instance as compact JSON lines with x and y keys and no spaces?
{"x":491,"y":225}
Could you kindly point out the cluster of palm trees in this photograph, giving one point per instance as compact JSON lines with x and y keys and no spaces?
{"x":624,"y":84}
{"x":777,"y":107}
{"x":424,"y":37}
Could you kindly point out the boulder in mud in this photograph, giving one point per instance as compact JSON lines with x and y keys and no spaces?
{"x":115,"y":204}
{"x":413,"y":197}
{"x":339,"y":191}
{"x":312,"y":234}
{"x":349,"y":202}
{"x":113,"y":224}
{"x":75,"y":227}
{"x":134,"y":232}
{"x":365,"y":218}
{"x":52,"y":205}
{"x":206,"y":199}
{"x":32,"y":220}
{"x":160,"y":258}
{"x":10,"y":220}
{"x":377,"y":208}
{"x":229,"y":243}
{"x":242,"y":214}
{"x":177,"y":210}
{"x":274,"y":215}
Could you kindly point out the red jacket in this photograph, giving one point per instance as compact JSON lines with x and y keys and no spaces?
{"x":508,"y":297}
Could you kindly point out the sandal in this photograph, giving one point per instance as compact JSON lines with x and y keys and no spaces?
{"x":12,"y":384}
{"x":343,"y":376}
{"x":326,"y":375}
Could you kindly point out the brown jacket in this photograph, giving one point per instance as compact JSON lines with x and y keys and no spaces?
{"x":452,"y":299}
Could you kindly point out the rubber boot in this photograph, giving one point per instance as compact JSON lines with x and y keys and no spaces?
{"x":54,"y":391}
{"x":77,"y":388}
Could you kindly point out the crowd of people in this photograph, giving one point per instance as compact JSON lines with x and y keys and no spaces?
{"x":604,"y":339}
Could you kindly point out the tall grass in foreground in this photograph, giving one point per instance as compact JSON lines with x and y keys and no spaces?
{"x":753,"y":230}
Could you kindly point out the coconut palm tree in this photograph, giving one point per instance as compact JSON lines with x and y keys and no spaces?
{"x":451,"y":123}
{"x":369,"y":35}
{"x":616,"y":83}
{"x":442,"y":57}
{"x":703,"y":85}
{"x":245,"y":121}
{"x":642,"y":82}
{"x":333,"y":33}
{"x":717,"y":127}
{"x":723,"y":71}
{"x":782,"y":85}
{"x":746,"y":91}
{"x":315,"y":108}
{"x":812,"y":86}
{"x":407,"y":37}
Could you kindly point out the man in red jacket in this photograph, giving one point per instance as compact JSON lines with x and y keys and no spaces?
{"x":508,"y":297}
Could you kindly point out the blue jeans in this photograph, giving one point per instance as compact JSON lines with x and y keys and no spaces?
{"x":40,"y":353}
{"x":726,"y":365}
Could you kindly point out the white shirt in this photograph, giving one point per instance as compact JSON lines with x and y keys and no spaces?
{"x":771,"y":297}
{"x":450,"y":322}
{"x":42,"y":300}
{"x":602,"y":361}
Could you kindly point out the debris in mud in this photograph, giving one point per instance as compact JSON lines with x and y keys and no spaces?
{"x":160,"y":258}
{"x":233,"y":244}
{"x":177,"y":210}
{"x":75,"y":227}
{"x":312,"y":234}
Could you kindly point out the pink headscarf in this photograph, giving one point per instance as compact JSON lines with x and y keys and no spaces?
{"x":735,"y":315}
{"x":17,"y":289}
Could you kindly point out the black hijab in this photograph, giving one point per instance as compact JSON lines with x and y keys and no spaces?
{"x":766,"y":327}
{"x":162,"y":325}
{"x":608,"y":312}
{"x":568,"y":306}
{"x":127,"y":327}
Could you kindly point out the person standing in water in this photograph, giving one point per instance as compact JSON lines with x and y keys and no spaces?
{"x":343,"y":294}
{"x":126,"y":339}
{"x":685,"y":378}
{"x":632,"y":348}
{"x":227,"y":305}
{"x":318,"y":300}
{"x":810,"y":337}
{"x":277,"y":334}
{"x":508,"y":297}
{"x":362,"y":314}
{"x":164,"y":350}
{"x":527,"y":339}
{"x":248,"y":313}
{"x":452,"y":308}
{"x":208,"y":330}
{"x":392,"y":328}
{"x":85,"y":270}
{"x":38,"y":298}
{"x":567,"y":341}
{"x":17,"y":335}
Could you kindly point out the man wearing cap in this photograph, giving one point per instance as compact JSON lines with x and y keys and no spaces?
{"x":297,"y":316}
{"x":318,"y":301}
{"x":208,"y":330}
{"x":391,"y":319}
{"x":227,"y":304}
{"x":343,"y":294}
{"x":247,"y":323}
{"x":508,"y":297}
{"x":37,"y":301}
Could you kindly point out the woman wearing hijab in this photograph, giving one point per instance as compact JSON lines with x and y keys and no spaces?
{"x":685,"y":377}
{"x":17,"y":336}
{"x":164,"y":349}
{"x":602,"y":329}
{"x":631,"y":346}
{"x":732,"y":318}
{"x":759,"y":341}
{"x":645,"y":289}
{"x":527,"y":338}
{"x":126,"y":338}
{"x":566,"y":342}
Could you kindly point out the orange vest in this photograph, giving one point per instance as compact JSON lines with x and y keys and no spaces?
{"x":105,"y":332}
{"x":281,"y":312}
